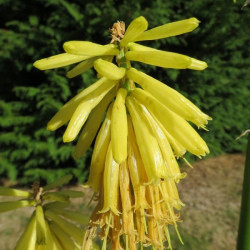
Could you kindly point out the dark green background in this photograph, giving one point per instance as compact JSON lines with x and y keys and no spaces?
{"x":30,"y":30}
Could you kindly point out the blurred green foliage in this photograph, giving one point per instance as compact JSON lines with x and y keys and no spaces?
{"x":29,"y":98}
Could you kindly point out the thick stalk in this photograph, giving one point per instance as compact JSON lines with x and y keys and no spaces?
{"x":244,"y":226}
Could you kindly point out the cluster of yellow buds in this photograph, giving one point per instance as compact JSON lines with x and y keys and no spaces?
{"x":49,"y":227}
{"x":146,"y":127}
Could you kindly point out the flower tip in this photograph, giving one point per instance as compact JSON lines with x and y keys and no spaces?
{"x":67,"y":138}
{"x":143,"y":21}
{"x":194,"y":20}
{"x":50,"y":127}
{"x":135,"y":29}
{"x":97,"y":62}
{"x":197,"y":64}
{"x":67,"y":46}
{"x":37,"y":64}
{"x":68,"y":75}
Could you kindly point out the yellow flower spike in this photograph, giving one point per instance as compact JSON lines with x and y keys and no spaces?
{"x":109,"y":70}
{"x":167,"y":153}
{"x":58,"y":61}
{"x":85,"y":48}
{"x":175,"y":101}
{"x":83,"y":110}
{"x":135,"y":28}
{"x":119,"y":127}
{"x":66,"y":112}
{"x":99,"y":153}
{"x":92,"y":125}
{"x":81,"y":67}
{"x":174,"y":124}
{"x":197,"y":64}
{"x":110,"y":183}
{"x":147,"y":143}
{"x":160,"y":58}
{"x":41,"y":229}
{"x":169,"y":29}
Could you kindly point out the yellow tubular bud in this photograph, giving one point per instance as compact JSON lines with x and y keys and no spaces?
{"x":135,"y":28}
{"x":139,"y":47}
{"x":66,"y":112}
{"x":78,"y":119}
{"x":63,"y":237}
{"x":57,"y":61}
{"x":197,"y":64}
{"x":59,"y":182}
{"x":11,"y":205}
{"x":110,"y":183}
{"x":74,"y":216}
{"x":41,"y":229}
{"x":160,"y":58}
{"x":71,"y":193}
{"x":55,"y":205}
{"x":69,"y":228}
{"x":53,"y":242}
{"x":136,"y":168}
{"x":83,"y":110}
{"x":93,"y":123}
{"x":170,"y":194}
{"x":169,"y":97}
{"x":99,"y":153}
{"x":109,"y":70}
{"x":174,"y":124}
{"x":85,"y":48}
{"x":119,"y":127}
{"x":4,"y":191}
{"x":27,"y":240}
{"x":167,"y":153}
{"x":179,"y":150}
{"x":81,"y":68}
{"x":169,"y":29}
{"x":147,"y":143}
{"x":55,"y":196}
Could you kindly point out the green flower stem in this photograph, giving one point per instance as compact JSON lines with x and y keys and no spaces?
{"x":124,"y":63}
{"x":244,"y":226}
